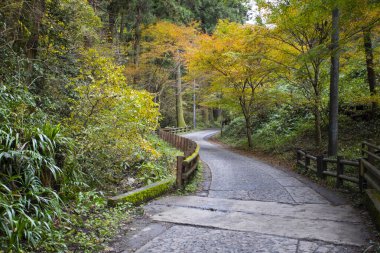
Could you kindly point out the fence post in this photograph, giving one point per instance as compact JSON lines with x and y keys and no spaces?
{"x":186,"y":147}
{"x":307,"y":162}
{"x":363,"y":147}
{"x":362,"y":181}
{"x":179,"y":171}
{"x":339,"y":171}
{"x":361,"y":175}
{"x":299,"y":157}
{"x":320,"y":167}
{"x":370,"y":158}
{"x":184,"y":144}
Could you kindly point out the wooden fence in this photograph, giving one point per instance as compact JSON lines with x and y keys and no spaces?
{"x":187,"y":164}
{"x":366,"y":169}
{"x":176,"y":130}
{"x":370,"y":166}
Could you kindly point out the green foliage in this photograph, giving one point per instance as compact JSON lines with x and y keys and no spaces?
{"x":110,"y":120}
{"x":150,"y":172}
{"x":280,"y":131}
{"x":87,"y":225}
{"x":28,"y":169}
{"x":235,"y":128}
{"x":154,"y":169}
{"x":209,"y":12}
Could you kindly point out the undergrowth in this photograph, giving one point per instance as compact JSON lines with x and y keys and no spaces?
{"x":87,"y":225}
{"x":194,"y":183}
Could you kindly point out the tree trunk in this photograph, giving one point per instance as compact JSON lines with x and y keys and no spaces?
{"x":219,"y":115}
{"x":35,"y":11}
{"x":248,"y":129}
{"x":111,"y":21}
{"x":122,"y":23}
{"x":371,"y":75}
{"x":205,"y":114}
{"x":179,"y":107}
{"x":334,"y":82}
{"x":194,"y":107}
{"x":137,"y":36}
{"x":93,"y":4}
{"x":211,"y":116}
{"x":317,"y":126}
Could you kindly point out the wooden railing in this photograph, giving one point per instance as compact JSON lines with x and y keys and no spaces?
{"x":370,"y":166}
{"x":321,"y":166}
{"x":177,"y":129}
{"x":366,"y":172}
{"x":187,"y":164}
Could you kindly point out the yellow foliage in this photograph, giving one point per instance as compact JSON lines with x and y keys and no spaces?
{"x":236,"y":57}
{"x":107,"y":110}
{"x":169,"y":39}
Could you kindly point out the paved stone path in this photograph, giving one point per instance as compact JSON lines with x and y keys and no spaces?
{"x":249,"y":207}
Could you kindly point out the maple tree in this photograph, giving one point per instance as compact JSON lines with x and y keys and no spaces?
{"x":237,"y":55}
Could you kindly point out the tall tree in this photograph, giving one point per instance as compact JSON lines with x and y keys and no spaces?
{"x":371,"y":75}
{"x":303,"y":28}
{"x":179,"y":103}
{"x":236,"y":59}
{"x":334,"y":82}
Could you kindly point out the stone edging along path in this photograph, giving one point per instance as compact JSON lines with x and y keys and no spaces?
{"x":145,"y":193}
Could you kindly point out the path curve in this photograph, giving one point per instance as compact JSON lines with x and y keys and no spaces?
{"x":250,"y":207}
{"x":235,"y":176}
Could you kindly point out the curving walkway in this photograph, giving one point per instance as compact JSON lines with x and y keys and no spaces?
{"x":250,"y":207}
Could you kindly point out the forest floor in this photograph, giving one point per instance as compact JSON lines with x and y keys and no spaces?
{"x":246,"y":205}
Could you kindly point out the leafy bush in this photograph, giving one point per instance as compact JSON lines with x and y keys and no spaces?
{"x":236,"y":128}
{"x":110,"y":120}
{"x":29,"y":168}
{"x":278,"y":131}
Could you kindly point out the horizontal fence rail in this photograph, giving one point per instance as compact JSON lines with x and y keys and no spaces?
{"x":370,"y":166}
{"x":187,"y":164}
{"x":366,"y":169}
{"x":321,"y":166}
{"x":176,"y":130}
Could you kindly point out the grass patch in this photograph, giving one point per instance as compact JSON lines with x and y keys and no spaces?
{"x":194,"y":183}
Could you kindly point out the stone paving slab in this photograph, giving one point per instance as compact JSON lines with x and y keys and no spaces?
{"x":289,"y":181}
{"x":320,"y":247}
{"x":186,"y":239}
{"x":329,"y":231}
{"x":308,"y":211}
{"x":305,"y":195}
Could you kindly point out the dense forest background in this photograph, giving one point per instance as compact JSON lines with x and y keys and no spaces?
{"x":84,"y":84}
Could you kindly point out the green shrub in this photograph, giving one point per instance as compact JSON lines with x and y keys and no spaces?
{"x":28,"y":169}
